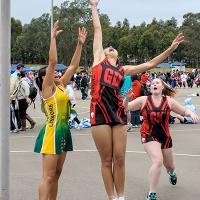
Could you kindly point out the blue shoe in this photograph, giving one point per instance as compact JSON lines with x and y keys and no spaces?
{"x":173,"y":178}
{"x":151,"y":196}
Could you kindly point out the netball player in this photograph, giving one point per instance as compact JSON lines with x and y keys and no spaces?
{"x":54,"y":139}
{"x":107,"y":115}
{"x":155,"y":134}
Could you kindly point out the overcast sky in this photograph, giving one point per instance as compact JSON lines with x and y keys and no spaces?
{"x":136,"y":11}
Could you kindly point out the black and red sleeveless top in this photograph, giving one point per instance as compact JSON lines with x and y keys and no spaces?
{"x":156,"y":119}
{"x":107,"y":104}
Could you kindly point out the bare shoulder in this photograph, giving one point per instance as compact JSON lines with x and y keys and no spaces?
{"x":98,"y":59}
{"x":143,"y":100}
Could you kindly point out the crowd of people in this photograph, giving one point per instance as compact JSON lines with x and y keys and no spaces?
{"x":178,"y":78}
{"x":119,"y":95}
{"x":22,"y":93}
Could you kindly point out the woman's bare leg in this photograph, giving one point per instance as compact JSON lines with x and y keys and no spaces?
{"x":102,"y":135}
{"x":54,"y":186}
{"x":153,"y":149}
{"x":119,"y":150}
{"x":168,"y":160}
{"x":49,"y":170}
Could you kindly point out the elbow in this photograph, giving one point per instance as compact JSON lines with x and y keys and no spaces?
{"x":97,"y":27}
{"x":52,"y":62}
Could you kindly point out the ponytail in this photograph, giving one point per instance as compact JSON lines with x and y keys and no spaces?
{"x":39,"y":79}
{"x":168,"y":90}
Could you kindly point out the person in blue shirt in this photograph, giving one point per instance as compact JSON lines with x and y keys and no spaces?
{"x":191,"y":107}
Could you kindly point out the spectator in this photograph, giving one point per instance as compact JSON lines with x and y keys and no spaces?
{"x":192,"y":108}
{"x":136,"y":87}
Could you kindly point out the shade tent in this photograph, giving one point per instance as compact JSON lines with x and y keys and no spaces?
{"x":35,"y":68}
{"x":61,"y":67}
{"x":164,"y":65}
{"x":13,"y":69}
{"x":171,"y":64}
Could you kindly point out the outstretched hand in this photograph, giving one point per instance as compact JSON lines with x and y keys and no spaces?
{"x":94,"y":2}
{"x":129,"y":97}
{"x":82,"y":35}
{"x":195,"y":118}
{"x":178,"y":40}
{"x":55,"y":31}
{"x":129,"y":94}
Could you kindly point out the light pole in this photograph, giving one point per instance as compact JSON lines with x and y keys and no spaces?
{"x":4,"y":97}
{"x":51,"y":15}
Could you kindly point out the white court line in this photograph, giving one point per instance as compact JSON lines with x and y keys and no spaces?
{"x":137,"y":152}
{"x":86,"y":134}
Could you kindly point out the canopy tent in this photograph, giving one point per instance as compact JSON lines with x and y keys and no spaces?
{"x":170,"y":64}
{"x":35,"y":68}
{"x":13,"y":69}
{"x":164,"y":65}
{"x":61,"y":67}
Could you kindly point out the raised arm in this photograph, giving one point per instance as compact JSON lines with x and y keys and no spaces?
{"x":179,"y":109}
{"x":75,"y":59}
{"x":132,"y":70}
{"x":98,"y":52}
{"x":49,"y":77}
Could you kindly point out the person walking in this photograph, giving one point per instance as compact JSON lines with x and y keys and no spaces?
{"x":21,"y":94}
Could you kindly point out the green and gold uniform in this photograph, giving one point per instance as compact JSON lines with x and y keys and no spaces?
{"x":55,"y":136}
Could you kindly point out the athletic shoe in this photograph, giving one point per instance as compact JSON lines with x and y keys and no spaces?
{"x":135,"y":126}
{"x":14,"y":131}
{"x":129,"y":127}
{"x":151,"y":196}
{"x":172,"y":178}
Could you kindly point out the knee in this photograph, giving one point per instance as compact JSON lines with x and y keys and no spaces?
{"x":51,"y":177}
{"x":107,"y":163}
{"x":119,"y":161}
{"x":158,"y":162}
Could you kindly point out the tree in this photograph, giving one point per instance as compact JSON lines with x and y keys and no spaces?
{"x":16,"y":30}
{"x":191,"y":28}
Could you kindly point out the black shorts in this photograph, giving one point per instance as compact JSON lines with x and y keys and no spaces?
{"x":109,"y":124}
{"x":165,"y":143}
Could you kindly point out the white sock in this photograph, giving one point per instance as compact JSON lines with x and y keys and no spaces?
{"x":120,"y":198}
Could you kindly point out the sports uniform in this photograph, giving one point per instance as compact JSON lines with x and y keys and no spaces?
{"x":107,"y":104}
{"x":155,"y":126}
{"x":55,"y":136}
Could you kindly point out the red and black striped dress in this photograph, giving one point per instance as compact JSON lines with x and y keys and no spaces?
{"x":155,"y":126}
{"x":107,"y":104}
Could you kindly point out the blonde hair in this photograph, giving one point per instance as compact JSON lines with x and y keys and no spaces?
{"x":168,"y":90}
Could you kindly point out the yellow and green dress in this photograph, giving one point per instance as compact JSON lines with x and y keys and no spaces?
{"x":55,"y":136}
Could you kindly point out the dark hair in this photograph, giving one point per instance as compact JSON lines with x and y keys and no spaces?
{"x":134,"y":77}
{"x":39,"y":79}
{"x":22,"y":74}
{"x":19,"y":66}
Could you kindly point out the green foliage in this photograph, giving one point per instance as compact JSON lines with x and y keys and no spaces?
{"x":191,"y":28}
{"x":136,"y":44}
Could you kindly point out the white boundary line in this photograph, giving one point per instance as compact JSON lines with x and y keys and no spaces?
{"x":86,"y":134}
{"x":128,"y":151}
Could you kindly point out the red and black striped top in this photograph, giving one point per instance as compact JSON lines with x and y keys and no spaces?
{"x":156,"y":118}
{"x":107,"y":103}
